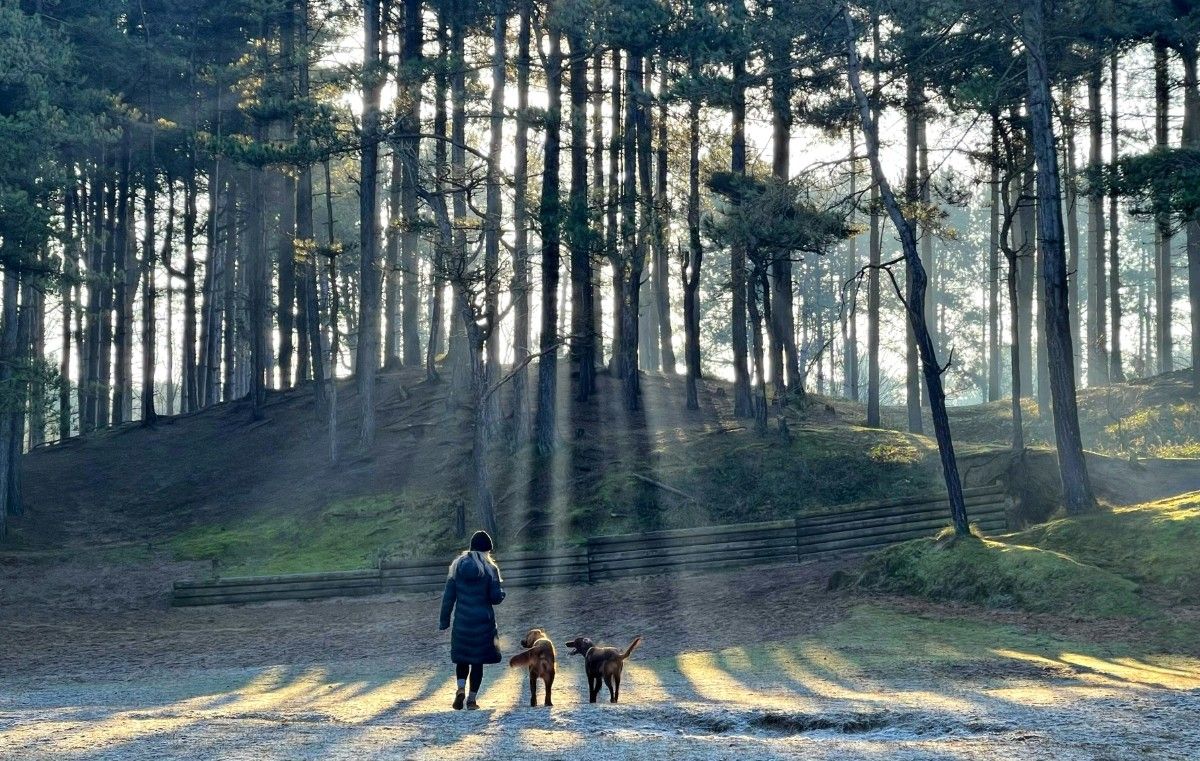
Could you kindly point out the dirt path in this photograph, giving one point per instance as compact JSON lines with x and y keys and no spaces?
{"x":748,"y":665}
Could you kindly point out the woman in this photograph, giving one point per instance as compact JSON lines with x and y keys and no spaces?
{"x":473,"y":586}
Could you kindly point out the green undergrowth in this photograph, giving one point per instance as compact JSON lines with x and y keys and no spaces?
{"x":1156,"y":544}
{"x":1127,"y":562}
{"x":743,"y":477}
{"x":615,"y":486}
{"x":1151,"y":417}
{"x":344,"y":535}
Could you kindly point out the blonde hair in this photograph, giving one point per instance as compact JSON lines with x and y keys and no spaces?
{"x":484,"y":560}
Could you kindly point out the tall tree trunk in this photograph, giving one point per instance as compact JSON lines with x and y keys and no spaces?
{"x":578,"y":230}
{"x":912,"y":196}
{"x":1077,"y":489}
{"x":627,"y":334}
{"x":635,"y":155}
{"x":210,"y":328}
{"x":758,"y":276}
{"x":1116,"y":373}
{"x":70,"y":257}
{"x":1097,"y":372}
{"x":615,"y":241}
{"x":598,"y":202}
{"x":849,"y":315}
{"x":311,"y":331}
{"x":149,"y":289}
{"x":393,"y":309}
{"x":1010,"y":240}
{"x":646,"y":213}
{"x":287,"y":212}
{"x":785,"y":359}
{"x":37,"y":353}
{"x":662,"y":233}
{"x":492,"y":222}
{"x":1163,"y":295}
{"x":915,"y":295}
{"x":332,"y":307}
{"x":1071,"y":194}
{"x":549,"y":215}
{"x":994,"y":263}
{"x":367,"y":359}
{"x":458,"y":347}
{"x":107,"y":276}
{"x":521,"y":268}
{"x":234,"y":263}
{"x":1025,"y":234}
{"x":436,"y":328}
{"x":743,"y":405}
{"x":1039,"y":325}
{"x":695,"y":254}
{"x":91,"y":345}
{"x":188,"y":359}
{"x":258,"y":292}
{"x":10,"y":351}
{"x":1191,"y":139}
{"x":875,"y":255}
{"x":648,"y":313}
{"x":410,"y":145}
{"x":926,"y":231}
{"x":125,"y":282}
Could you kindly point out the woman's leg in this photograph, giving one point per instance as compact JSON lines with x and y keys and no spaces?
{"x":476,"y":680}
{"x":461,"y":671}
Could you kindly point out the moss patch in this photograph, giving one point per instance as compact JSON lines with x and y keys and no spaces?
{"x":1124,"y":562}
{"x":998,"y":574}
{"x":1155,"y":544}
{"x":344,"y":535}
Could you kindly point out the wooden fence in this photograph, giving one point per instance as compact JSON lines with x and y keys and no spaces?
{"x":841,"y":531}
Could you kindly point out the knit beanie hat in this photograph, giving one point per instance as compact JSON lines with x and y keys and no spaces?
{"x":481,"y":542}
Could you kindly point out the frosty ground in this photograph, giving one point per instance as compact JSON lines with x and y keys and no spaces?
{"x":753,"y":664}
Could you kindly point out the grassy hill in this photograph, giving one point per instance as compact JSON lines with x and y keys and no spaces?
{"x":1137,"y":561}
{"x":1150,"y":417}
{"x":262,"y":496}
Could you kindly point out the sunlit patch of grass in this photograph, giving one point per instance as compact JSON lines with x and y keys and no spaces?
{"x":1120,"y":562}
{"x":1000,"y":574}
{"x":897,"y":450}
{"x":1155,"y":543}
{"x":1154,"y":417}
{"x":346,"y":534}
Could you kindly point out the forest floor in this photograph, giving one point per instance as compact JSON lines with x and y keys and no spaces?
{"x":747,"y":665}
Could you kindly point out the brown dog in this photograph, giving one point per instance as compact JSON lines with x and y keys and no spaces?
{"x":540,"y":657}
{"x":602,"y":663}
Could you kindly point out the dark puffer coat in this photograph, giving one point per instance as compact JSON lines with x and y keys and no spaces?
{"x":472,"y":588}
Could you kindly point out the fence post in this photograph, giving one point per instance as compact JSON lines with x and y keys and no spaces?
{"x":796,"y":539}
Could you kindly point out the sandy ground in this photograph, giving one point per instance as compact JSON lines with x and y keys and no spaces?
{"x":734,"y":666}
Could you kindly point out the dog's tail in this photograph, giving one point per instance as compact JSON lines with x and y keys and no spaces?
{"x":632,"y":646}
{"x":523,"y":658}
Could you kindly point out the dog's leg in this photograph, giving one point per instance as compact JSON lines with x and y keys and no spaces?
{"x":617,"y":685}
{"x":532,"y":688}
{"x":593,"y":687}
{"x":608,"y":682}
{"x":549,"y":683}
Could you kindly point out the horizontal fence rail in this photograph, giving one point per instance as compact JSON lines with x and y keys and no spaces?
{"x":841,"y":531}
